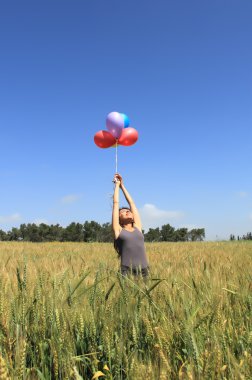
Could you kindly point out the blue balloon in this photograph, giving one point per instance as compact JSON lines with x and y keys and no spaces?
{"x":126,"y":120}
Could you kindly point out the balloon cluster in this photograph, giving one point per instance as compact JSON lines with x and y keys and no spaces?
{"x":119,"y":132}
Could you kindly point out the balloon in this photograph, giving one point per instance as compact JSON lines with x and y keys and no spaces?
{"x":126,"y":120}
{"x":115,"y":124}
{"x":128,"y":137}
{"x":104,"y":139}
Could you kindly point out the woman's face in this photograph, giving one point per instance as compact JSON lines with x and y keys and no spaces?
{"x":125,"y":216}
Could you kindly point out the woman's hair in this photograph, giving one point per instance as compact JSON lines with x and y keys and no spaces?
{"x":116,"y":248}
{"x":124,"y":208}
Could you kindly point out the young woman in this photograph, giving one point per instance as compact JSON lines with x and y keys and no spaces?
{"x":127,"y":227}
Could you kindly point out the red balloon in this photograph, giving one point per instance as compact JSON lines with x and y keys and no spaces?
{"x":104,"y":139}
{"x":128,"y":137}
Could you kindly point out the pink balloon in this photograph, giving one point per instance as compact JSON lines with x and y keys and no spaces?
{"x":104,"y":139}
{"x":115,"y":124}
{"x":128,"y":137}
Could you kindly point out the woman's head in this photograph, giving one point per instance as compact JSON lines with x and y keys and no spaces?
{"x":125,"y":216}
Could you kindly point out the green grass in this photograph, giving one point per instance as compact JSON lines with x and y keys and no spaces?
{"x":66,"y":312}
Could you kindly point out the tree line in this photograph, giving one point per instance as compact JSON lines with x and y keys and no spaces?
{"x":248,"y":236}
{"x":94,"y":232}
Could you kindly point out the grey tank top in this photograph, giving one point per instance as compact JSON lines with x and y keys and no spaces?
{"x":131,"y":249}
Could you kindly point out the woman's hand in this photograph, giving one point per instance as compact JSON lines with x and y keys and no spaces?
{"x":118,"y":178}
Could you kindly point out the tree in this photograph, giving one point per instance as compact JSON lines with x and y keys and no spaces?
{"x":14,"y":234}
{"x":56,"y":233}
{"x":3,"y":235}
{"x":91,"y":231}
{"x":105,"y":233}
{"x":73,"y":232}
{"x":152,"y":235}
{"x":167,"y":233}
{"x":196,"y":234}
{"x":33,"y":233}
{"x":44,"y":232}
{"x":248,"y":236}
{"x":181,"y":234}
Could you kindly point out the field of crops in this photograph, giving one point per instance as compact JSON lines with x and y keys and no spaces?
{"x":66,"y":312}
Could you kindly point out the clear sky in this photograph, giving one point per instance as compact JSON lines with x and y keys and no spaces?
{"x":182,"y":72}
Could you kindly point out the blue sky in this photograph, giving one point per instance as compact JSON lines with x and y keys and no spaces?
{"x":181,"y":71}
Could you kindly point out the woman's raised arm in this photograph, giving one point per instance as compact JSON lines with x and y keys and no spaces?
{"x":133,"y":208}
{"x":115,"y":212}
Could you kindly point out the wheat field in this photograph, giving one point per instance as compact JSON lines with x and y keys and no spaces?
{"x":66,"y":312}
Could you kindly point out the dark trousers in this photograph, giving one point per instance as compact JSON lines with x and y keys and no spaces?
{"x":126,"y":271}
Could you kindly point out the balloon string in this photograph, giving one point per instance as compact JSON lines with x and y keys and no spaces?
{"x":116,"y":156}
